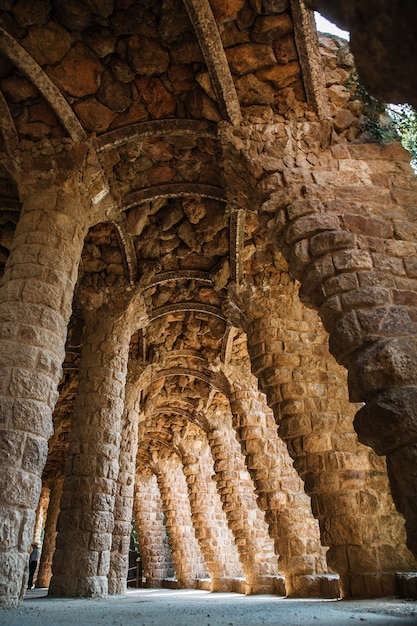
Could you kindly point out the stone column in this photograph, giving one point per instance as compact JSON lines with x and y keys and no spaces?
{"x":210,"y":524}
{"x":307,"y":391}
{"x":48,"y":546}
{"x":41,"y":514}
{"x":296,"y":534}
{"x":123,"y":506}
{"x":348,"y":232}
{"x":152,"y":534}
{"x":246,"y":521}
{"x":85,"y":524}
{"x":35,"y":307}
{"x":186,"y":554}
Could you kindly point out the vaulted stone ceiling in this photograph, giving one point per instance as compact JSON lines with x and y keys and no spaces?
{"x":147,"y":84}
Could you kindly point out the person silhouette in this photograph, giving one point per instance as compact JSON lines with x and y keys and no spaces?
{"x":33,"y":563}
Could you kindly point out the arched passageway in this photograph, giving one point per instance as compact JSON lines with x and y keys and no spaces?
{"x":207,"y":306}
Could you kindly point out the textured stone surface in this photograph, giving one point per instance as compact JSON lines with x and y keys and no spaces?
{"x":208,"y":266}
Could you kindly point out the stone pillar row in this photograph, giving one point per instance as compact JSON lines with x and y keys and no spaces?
{"x":148,"y":513}
{"x":35,"y":307}
{"x":186,"y":554}
{"x":347,"y":482}
{"x":210,"y":524}
{"x":123,"y":505}
{"x":245,"y":519}
{"x":296,"y":535}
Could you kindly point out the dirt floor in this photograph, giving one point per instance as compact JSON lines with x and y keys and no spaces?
{"x":160,"y":607}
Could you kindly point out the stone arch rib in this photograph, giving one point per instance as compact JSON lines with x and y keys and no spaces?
{"x":173,"y":190}
{"x":7,"y":126}
{"x":155,"y":128}
{"x":128,"y":249}
{"x":211,"y":45}
{"x":185,"y":307}
{"x":22,"y":59}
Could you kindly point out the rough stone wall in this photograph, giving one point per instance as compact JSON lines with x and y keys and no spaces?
{"x":315,"y":420}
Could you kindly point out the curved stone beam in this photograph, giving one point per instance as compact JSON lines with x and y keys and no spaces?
{"x":11,"y":206}
{"x":177,"y":275}
{"x":22,"y":59}
{"x":151,"y":440}
{"x":172,"y":190}
{"x":186,"y":307}
{"x":217,"y":381}
{"x":227,"y":344}
{"x":211,"y":45}
{"x":157,"y":128}
{"x":199,"y":420}
{"x":129,"y":253}
{"x":183,"y":354}
{"x":7,"y":127}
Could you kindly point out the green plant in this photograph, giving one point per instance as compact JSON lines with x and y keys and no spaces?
{"x":404,"y":118}
{"x":375,"y":119}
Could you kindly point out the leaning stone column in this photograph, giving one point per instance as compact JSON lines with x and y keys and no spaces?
{"x":152,"y":534}
{"x":48,"y":546}
{"x":85,"y":524}
{"x":246,"y":520}
{"x":212,"y":531}
{"x":186,"y":554}
{"x":296,"y":534}
{"x":119,"y":556}
{"x":351,"y":242}
{"x":35,"y":307}
{"x":307,"y":391}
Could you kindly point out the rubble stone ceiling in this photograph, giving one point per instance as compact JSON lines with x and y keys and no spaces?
{"x":146,"y":85}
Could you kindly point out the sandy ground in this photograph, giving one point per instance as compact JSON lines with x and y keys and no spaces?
{"x":160,"y":607}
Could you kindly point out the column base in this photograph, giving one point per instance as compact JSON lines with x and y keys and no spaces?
{"x":407,"y":584}
{"x":228,"y":585}
{"x":265,"y":584}
{"x":169,"y":583}
{"x":369,"y":585}
{"x":313,"y":586}
{"x":117,"y":586}
{"x":85,"y":587}
{"x":204,"y":584}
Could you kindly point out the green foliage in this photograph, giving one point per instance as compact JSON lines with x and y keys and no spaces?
{"x":372,"y":107}
{"x":385,"y":122}
{"x":404,"y":118}
{"x":374,"y":112}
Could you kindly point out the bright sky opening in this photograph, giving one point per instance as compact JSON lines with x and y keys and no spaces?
{"x":325,"y":26}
